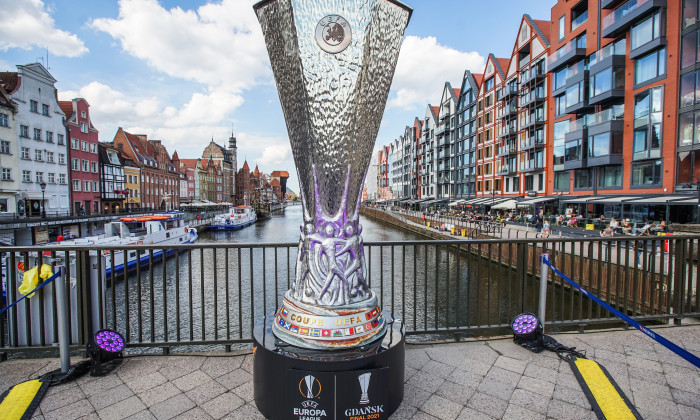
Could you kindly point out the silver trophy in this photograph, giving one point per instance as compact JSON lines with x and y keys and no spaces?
{"x":333,"y":62}
{"x":309,"y":386}
{"x":364,"y":385}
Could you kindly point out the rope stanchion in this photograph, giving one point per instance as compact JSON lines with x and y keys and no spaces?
{"x":693,"y":359}
{"x":56,"y":275}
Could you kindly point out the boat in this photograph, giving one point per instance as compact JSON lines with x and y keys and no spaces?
{"x":158,"y":229}
{"x":237,"y":218}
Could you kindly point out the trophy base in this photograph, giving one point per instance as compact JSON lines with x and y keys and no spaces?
{"x":294,"y":382}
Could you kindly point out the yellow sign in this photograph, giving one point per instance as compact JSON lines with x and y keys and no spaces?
{"x":590,"y":226}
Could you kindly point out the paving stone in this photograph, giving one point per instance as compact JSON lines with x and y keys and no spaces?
{"x":245,"y":391}
{"x":206,"y":392}
{"x":646,"y":375}
{"x":191,"y":380}
{"x":416,"y":358}
{"x":135,"y":367}
{"x":247,"y":363}
{"x":234,"y":379}
{"x":71,"y":411}
{"x":223,"y":405}
{"x":408,"y":373}
{"x":195,"y":413}
{"x":110,"y":396}
{"x":530,"y":400}
{"x":643,"y":353}
{"x":681,"y":377}
{"x":151,"y":380}
{"x":565,"y":411}
{"x":502,"y":375}
{"x":474,"y":366}
{"x":142,"y":415}
{"x":651,"y":408}
{"x":469,"y":379}
{"x":61,"y":399}
{"x":122,"y":409}
{"x":217,"y":366}
{"x":172,"y":407}
{"x":539,"y":372}
{"x":513,"y":365}
{"x":455,"y":392}
{"x":688,"y":413}
{"x":514,"y":412}
{"x":159,"y":394}
{"x":690,"y":399}
{"x":546,"y":362}
{"x":567,"y":379}
{"x":469,"y":414}
{"x":571,"y":395}
{"x":487,"y":404}
{"x":404,"y":412}
{"x":441,"y":408}
{"x":642,"y":389}
{"x":644,"y":364}
{"x":426,"y":381}
{"x":439,"y":369}
{"x":601,"y":355}
{"x":176,"y":367}
{"x":247,"y":412}
{"x":496,"y":388}
{"x":101,"y":385}
{"x":415,"y":396}
{"x":546,"y":389}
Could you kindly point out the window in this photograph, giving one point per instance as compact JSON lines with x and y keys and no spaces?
{"x":24,"y":153}
{"x":49,"y":157}
{"x":39,"y":177}
{"x":33,"y":106}
{"x":83,"y":127}
{"x":62,"y":179}
{"x":605,"y":144}
{"x":95,"y":186}
{"x":49,"y":136}
{"x":93,"y":148}
{"x":583,"y":178}
{"x":646,"y":31}
{"x":646,"y":173}
{"x":647,"y":137}
{"x":689,"y":49}
{"x":562,"y":27}
{"x":60,"y":139}
{"x":93,"y":167}
{"x":4,"y":120}
{"x":560,"y":105}
{"x":61,"y":159}
{"x":6,"y":174}
{"x":579,"y":14}
{"x":23,"y":131}
{"x":650,"y":66}
{"x":610,"y":176}
{"x":5,"y":147}
{"x":26,"y":176}
{"x":86,"y":186}
{"x":575,"y":94}
{"x":74,"y":144}
{"x":606,"y":80}
{"x":76,"y":185}
{"x":84,"y":146}
{"x":574,"y":150}
{"x":82,"y":114}
{"x":489,"y":84}
{"x":86,"y":165}
{"x":38,"y":155}
{"x":45,"y":109}
{"x":37,"y":134}
{"x":52,"y":178}
{"x":75,"y":164}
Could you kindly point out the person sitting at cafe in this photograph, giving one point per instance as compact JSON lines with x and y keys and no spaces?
{"x":614,"y":224}
{"x":626,"y":227}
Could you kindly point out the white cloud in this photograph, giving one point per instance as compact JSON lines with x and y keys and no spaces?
{"x":423,"y":68}
{"x":219,"y":44}
{"x":26,"y":24}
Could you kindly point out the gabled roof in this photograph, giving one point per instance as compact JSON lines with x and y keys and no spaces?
{"x":6,"y":101}
{"x":541,"y":27}
{"x":256,"y":172}
{"x":189,"y":162}
{"x":456,"y":92}
{"x":10,"y":81}
{"x":175,"y":156}
{"x":67,"y":108}
{"x":280,"y":174}
{"x":479,"y":79}
{"x":245,"y":166}
{"x":502,"y":63}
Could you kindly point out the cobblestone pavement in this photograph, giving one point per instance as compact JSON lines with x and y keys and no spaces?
{"x":469,"y":380}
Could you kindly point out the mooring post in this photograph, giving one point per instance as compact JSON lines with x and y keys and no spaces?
{"x":544,"y":278}
{"x":63,"y":313}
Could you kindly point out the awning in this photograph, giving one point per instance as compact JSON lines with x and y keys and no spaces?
{"x":506,"y":205}
{"x":582,"y":200}
{"x":671,"y":199}
{"x":457,"y":203}
{"x":533,"y":201}
{"x":616,"y":199}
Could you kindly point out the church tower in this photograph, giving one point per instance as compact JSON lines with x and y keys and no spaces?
{"x":234,"y":156}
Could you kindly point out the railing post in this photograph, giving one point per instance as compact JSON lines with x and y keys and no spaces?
{"x":522,"y":272}
{"x":679,"y":283}
{"x":63,"y":314}
{"x":544,"y":279}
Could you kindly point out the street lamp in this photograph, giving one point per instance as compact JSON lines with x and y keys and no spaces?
{"x":43,"y":203}
{"x":695,"y":181}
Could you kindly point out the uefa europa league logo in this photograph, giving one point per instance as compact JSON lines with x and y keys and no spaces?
{"x":364,"y":385}
{"x":309,"y":381}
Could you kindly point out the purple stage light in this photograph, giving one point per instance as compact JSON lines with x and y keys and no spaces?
{"x":109,"y":341}
{"x":526,"y":326}
{"x":106,"y":346}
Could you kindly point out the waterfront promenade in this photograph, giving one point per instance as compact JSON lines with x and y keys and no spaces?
{"x":480,"y":379}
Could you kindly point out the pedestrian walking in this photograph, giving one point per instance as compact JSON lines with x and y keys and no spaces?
{"x":546,"y":229}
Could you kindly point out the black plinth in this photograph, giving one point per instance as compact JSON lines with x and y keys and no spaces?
{"x":360,"y":383}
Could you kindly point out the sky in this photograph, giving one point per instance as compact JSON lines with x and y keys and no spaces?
{"x":187,"y":72}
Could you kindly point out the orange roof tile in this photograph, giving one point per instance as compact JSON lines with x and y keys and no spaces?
{"x":457,"y":91}
{"x":67,"y":108}
{"x":245,"y":166}
{"x":275,"y":183}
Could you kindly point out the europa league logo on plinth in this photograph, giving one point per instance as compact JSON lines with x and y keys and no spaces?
{"x":333,"y":62}
{"x":364,"y":385}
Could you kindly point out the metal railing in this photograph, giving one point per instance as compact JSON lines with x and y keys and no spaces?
{"x":212,"y":294}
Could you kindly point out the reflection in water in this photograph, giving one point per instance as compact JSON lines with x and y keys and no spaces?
{"x":224,"y":290}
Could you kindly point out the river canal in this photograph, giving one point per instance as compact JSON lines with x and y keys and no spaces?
{"x":226,"y":288}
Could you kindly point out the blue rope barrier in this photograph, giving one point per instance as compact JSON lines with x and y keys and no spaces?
{"x":695,"y":360}
{"x":44,"y":283}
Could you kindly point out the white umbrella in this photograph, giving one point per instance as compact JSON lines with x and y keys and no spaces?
{"x":506,"y":205}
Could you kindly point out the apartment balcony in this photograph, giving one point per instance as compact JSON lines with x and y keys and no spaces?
{"x":532,"y":165}
{"x":532,"y":75}
{"x":533,"y":97}
{"x":610,"y":4}
{"x":565,"y":55}
{"x":533,"y":122}
{"x":507,"y":111}
{"x":606,"y":130}
{"x":629,"y":12}
{"x":505,"y":171}
{"x":505,"y":151}
{"x":442,"y":128}
{"x":508,"y":131}
{"x":507,"y":92}
{"x":536,"y":142}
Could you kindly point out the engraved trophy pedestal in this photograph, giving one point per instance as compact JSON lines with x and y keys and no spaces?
{"x":293,"y":382}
